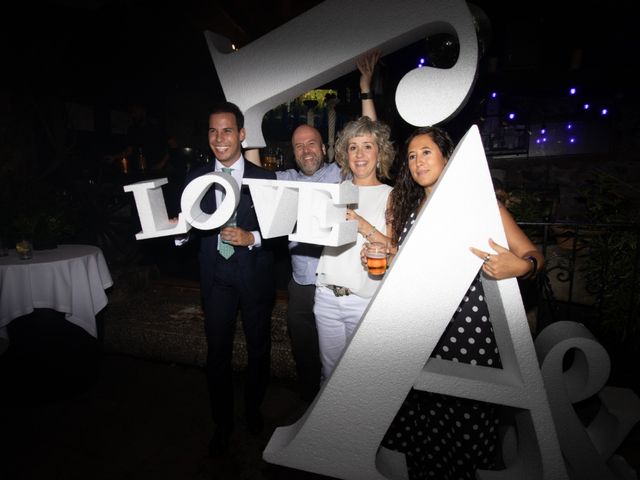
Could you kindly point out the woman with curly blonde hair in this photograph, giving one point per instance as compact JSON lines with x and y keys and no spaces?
{"x":344,"y":287}
{"x":364,"y":126}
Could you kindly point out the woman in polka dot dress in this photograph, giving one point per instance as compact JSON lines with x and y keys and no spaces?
{"x":445,"y":437}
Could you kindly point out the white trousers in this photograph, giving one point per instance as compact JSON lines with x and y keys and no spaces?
{"x":336,"y":319}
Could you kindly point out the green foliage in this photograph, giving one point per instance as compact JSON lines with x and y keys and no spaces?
{"x":611,"y":267}
{"x":605,"y":202}
{"x":609,"y":274}
{"x":526,"y":206}
{"x":317,"y":95}
{"x":40,"y":213}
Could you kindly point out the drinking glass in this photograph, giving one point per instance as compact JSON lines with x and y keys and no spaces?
{"x":24,"y":249}
{"x":376,"y":253}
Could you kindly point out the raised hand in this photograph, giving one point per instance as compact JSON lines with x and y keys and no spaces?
{"x":366,"y":63}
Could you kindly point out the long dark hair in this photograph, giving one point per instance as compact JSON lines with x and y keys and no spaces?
{"x":407,"y":194}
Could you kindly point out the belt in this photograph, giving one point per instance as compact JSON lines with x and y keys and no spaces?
{"x":339,"y":291}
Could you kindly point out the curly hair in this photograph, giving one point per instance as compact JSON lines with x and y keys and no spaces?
{"x":360,"y":127}
{"x":407,"y":194}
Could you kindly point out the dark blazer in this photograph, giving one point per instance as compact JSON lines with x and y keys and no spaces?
{"x":255,"y":264}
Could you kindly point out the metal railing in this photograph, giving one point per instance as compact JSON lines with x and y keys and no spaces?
{"x":591,"y":275}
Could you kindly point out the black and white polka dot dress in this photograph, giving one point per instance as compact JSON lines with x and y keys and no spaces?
{"x":445,"y":437}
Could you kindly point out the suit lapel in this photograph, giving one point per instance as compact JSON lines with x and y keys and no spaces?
{"x":208,"y":203}
{"x":244,"y":206}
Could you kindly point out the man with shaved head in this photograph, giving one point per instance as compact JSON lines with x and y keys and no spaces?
{"x":310,"y":154}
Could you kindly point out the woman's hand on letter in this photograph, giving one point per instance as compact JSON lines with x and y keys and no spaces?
{"x":502,"y":263}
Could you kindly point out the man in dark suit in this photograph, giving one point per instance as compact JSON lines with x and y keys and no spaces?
{"x":240,"y":278}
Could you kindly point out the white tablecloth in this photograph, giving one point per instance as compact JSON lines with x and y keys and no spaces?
{"x":70,"y":279}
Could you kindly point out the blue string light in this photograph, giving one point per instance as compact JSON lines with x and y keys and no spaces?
{"x":570,"y":138}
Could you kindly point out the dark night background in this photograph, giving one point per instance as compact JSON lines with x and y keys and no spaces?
{"x":99,"y":56}
{"x":107,"y":53}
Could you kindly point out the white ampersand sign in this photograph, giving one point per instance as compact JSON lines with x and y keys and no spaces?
{"x":588,"y":451}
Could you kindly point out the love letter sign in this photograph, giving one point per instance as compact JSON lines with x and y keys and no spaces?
{"x":318,"y":209}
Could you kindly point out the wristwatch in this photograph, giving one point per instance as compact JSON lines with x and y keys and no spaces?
{"x":366,"y":95}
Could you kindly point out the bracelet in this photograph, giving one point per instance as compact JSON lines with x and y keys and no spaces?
{"x":534,"y":267}
{"x":373,"y":230}
{"x":366,"y":95}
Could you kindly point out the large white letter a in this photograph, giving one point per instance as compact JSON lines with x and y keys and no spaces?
{"x":389,"y":352}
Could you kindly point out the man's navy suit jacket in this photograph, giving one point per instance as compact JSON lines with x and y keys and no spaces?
{"x":256,"y":264}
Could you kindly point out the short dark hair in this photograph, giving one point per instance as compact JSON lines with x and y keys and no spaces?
{"x":228,"y":107}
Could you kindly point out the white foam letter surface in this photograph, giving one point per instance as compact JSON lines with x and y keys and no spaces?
{"x":322,"y":44}
{"x":589,"y":451}
{"x":318,"y":208}
{"x":152,"y":210}
{"x":197,"y":188}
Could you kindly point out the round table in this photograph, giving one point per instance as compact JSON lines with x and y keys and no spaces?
{"x":70,"y":278}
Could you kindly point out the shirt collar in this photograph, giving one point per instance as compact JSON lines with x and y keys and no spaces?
{"x":238,"y":167}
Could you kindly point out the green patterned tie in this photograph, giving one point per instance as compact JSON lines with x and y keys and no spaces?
{"x":224,"y":248}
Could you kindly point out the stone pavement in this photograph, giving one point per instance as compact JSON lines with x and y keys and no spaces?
{"x":135,"y":407}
